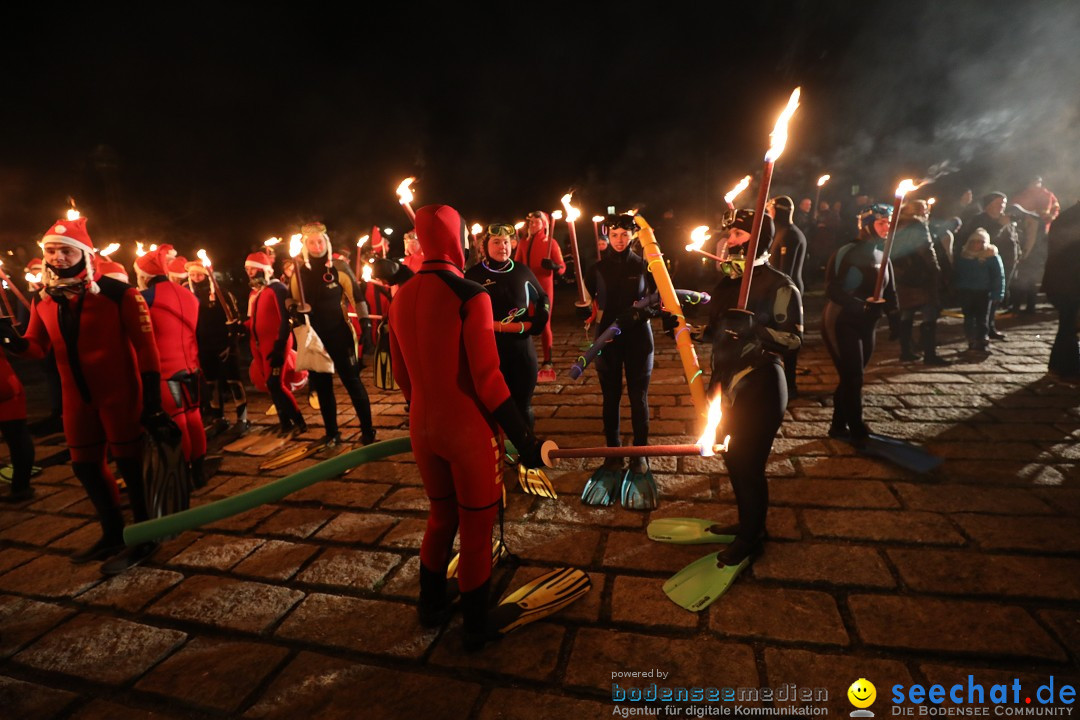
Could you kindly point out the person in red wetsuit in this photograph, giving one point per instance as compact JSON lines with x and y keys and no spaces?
{"x":110,"y":375}
{"x":273,"y":359}
{"x":447,"y":366}
{"x":540,"y":251}
{"x":13,"y":428}
{"x":174,"y":312}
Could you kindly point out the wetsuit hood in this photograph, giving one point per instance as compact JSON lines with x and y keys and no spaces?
{"x":441,"y":233}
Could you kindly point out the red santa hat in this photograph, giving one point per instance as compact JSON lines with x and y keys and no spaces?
{"x":178,"y":268}
{"x":261,"y":261}
{"x":34,"y":266}
{"x":73,"y":234}
{"x":114,"y":270}
{"x":195,"y":266}
{"x":155,"y":262}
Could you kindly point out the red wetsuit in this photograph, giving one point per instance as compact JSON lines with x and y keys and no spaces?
{"x":268,"y":326}
{"x":12,"y":395}
{"x":532,"y":251}
{"x":102,"y":344}
{"x":174,"y":312}
{"x":445,"y":361}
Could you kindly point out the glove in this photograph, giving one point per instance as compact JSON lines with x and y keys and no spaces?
{"x":548,"y":264}
{"x":153,"y":417}
{"x":390,"y":271}
{"x":276,"y":358}
{"x":739,"y":323}
{"x":527,"y":444}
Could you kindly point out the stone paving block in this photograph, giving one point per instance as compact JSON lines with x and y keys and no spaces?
{"x":596,"y":654}
{"x":834,"y":673}
{"x":336,"y":493}
{"x":225,"y":603}
{"x":14,"y":557}
{"x":405,"y":582}
{"x":20,"y":699}
{"x":346,"y":622}
{"x":276,"y":560}
{"x":576,"y":513}
{"x":51,"y":576}
{"x":77,"y":539}
{"x":1066,"y":500}
{"x":364,"y":569}
{"x":40,"y":530}
{"x":834,"y":493}
{"x":823,"y":564}
{"x":937,"y":414}
{"x":949,"y":400}
{"x":798,"y":447}
{"x":213,"y":674}
{"x":406,"y":534}
{"x":512,"y":704}
{"x":103,"y":649}
{"x":1066,"y":626}
{"x":970,"y":498}
{"x":849,"y":467}
{"x":245,"y":521}
{"x":968,"y":573}
{"x":56,"y":501}
{"x":531,"y":652}
{"x":635,"y":551}
{"x":951,"y":626}
{"x":750,"y":610}
{"x":641,"y":601}
{"x":105,"y":710}
{"x":317,"y":686}
{"x":564,"y":544}
{"x":408,"y":498}
{"x":352,"y":528}
{"x":132,"y":590}
{"x":217,"y":552}
{"x":23,"y":620}
{"x":394,"y":472}
{"x":294,"y":522}
{"x":1046,"y":534}
{"x":881,"y":525}
{"x":1010,"y":432}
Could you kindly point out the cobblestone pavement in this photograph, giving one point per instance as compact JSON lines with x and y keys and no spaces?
{"x":306,"y":608}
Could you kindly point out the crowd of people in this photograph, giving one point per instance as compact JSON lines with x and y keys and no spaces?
{"x":456,"y":328}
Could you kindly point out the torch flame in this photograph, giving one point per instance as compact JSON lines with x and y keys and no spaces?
{"x":272,"y":242}
{"x":109,"y":249}
{"x":365,"y":272}
{"x":73,"y":214}
{"x":598,"y":218}
{"x":699,"y":235}
{"x":388,"y":231}
{"x":139,"y":250}
{"x":363,"y":239}
{"x":33,"y":279}
{"x":206,"y":260}
{"x":556,"y":215}
{"x":476,"y":228}
{"x":520,"y":224}
{"x":905,"y":187}
{"x":572,"y":213}
{"x":823,"y":179}
{"x":931,"y":201}
{"x":737,"y":190}
{"x":153,"y":247}
{"x":296,"y":244}
{"x":779,"y":133}
{"x":632,"y":211}
{"x":707,"y":441}
{"x":404,"y":191}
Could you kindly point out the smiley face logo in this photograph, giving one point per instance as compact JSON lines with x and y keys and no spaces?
{"x":862,"y":693}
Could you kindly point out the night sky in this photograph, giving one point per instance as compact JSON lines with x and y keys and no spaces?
{"x":222,"y":125}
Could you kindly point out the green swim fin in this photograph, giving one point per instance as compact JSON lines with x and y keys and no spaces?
{"x":639,"y":487}
{"x":8,"y":471}
{"x":293,"y":454}
{"x":702,"y":582}
{"x":384,"y":376}
{"x":534,"y":481}
{"x":246,"y":441}
{"x":689,"y":531}
{"x":538,"y":599}
{"x":601,"y":488}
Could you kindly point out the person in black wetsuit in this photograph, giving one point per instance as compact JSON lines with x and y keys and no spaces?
{"x":330,"y":288}
{"x":851,"y":314}
{"x":520,"y":309}
{"x":218,"y":333}
{"x":616,"y":282}
{"x":748,"y":369}
{"x":787,"y":253}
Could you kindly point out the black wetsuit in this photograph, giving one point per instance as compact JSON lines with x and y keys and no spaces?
{"x":788,"y":254}
{"x":219,"y":351}
{"x":516,"y":298}
{"x":848,"y":324}
{"x":750,"y":373}
{"x":616,"y":282}
{"x":323,"y":291}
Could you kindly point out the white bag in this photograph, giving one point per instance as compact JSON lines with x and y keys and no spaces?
{"x":310,"y":352}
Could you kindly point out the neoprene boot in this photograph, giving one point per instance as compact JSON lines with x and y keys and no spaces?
{"x":474,"y":613}
{"x":928,"y":340}
{"x":434,"y":607}
{"x":112,"y":521}
{"x":198,"y":472}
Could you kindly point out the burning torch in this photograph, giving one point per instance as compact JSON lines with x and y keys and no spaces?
{"x":215,"y":289}
{"x":296,"y":244}
{"x":817,"y":194}
{"x":572,"y":214}
{"x":405,"y":197}
{"x":902,"y":189}
{"x":729,"y":197}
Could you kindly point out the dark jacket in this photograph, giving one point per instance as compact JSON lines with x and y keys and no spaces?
{"x":1061,"y":280}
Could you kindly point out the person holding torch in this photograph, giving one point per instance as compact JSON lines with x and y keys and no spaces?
{"x":540,"y":252}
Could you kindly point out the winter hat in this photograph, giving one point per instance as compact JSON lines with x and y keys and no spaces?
{"x":316,"y":229}
{"x":261,"y":261}
{"x":73,"y":234}
{"x":155,"y":262}
{"x":991,"y":197}
{"x":178,"y":268}
{"x":195,"y":265}
{"x":114,"y":270}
